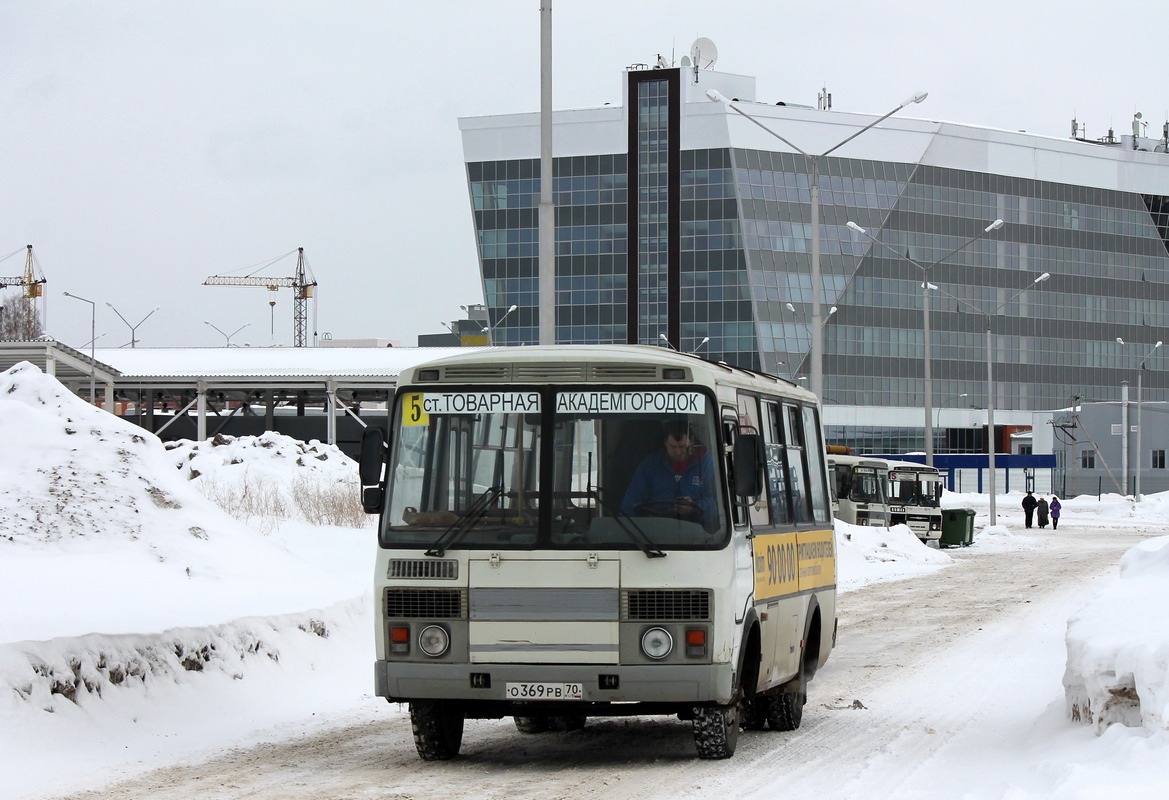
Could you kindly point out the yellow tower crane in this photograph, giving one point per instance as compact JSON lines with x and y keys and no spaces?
{"x":28,"y":326}
{"x":302,"y":283}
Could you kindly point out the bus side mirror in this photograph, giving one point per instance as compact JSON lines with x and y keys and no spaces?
{"x":369,"y":469}
{"x":748,"y":463}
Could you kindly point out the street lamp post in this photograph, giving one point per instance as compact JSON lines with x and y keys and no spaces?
{"x":133,"y":328}
{"x":927,"y":394}
{"x":227,"y":336}
{"x":990,"y":391}
{"x":990,"y":444}
{"x":815,"y":352}
{"x":1140,"y":375}
{"x":489,"y":329}
{"x":92,"y":339}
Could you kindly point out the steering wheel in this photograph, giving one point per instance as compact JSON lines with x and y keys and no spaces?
{"x":668,"y":509}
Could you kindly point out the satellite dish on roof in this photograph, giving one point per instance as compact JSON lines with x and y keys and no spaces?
{"x":703,"y":53}
{"x":685,"y":61}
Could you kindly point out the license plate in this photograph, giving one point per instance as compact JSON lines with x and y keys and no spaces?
{"x":544,"y":691}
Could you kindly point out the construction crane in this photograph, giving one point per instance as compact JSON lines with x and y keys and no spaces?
{"x":302,"y":283}
{"x":32,"y":282}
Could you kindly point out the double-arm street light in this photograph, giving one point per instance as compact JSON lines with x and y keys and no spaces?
{"x":804,"y":320}
{"x":815,"y":353}
{"x":92,"y":339}
{"x":133,"y":328}
{"x":227,"y":336}
{"x":1140,"y":374}
{"x":925,"y":320}
{"x":990,"y":443}
{"x":489,"y":329}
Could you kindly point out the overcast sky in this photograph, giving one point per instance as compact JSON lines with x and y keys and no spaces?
{"x":148,"y":145}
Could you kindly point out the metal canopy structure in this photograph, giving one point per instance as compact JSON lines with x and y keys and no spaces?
{"x":198,"y":385}
{"x":71,"y":367}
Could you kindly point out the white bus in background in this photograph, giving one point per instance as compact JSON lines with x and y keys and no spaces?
{"x":516,"y":577}
{"x":915,"y":499}
{"x":860,"y":489}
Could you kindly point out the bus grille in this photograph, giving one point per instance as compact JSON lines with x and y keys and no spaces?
{"x":624,"y":372}
{"x":665,"y":604}
{"x":476,"y":372}
{"x":425,"y":603}
{"x":542,"y":373}
{"x":423,"y":569}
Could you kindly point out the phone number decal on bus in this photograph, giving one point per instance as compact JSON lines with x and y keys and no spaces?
{"x":630,"y":403}
{"x":544,"y":691}
{"x":418,"y":406}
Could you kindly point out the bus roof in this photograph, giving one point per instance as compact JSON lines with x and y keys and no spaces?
{"x":567,"y":363}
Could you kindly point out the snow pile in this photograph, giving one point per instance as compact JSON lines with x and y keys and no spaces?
{"x":1117,"y":654}
{"x":262,"y":480}
{"x":119,"y":578}
{"x":867,"y":555}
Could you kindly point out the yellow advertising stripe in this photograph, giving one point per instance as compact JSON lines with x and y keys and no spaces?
{"x":791,"y":563}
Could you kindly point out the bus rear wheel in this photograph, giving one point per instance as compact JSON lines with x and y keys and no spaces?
{"x":438,"y":729}
{"x":785,"y":711}
{"x":716,"y":731}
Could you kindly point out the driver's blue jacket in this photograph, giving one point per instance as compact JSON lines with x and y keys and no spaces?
{"x":656,"y":481}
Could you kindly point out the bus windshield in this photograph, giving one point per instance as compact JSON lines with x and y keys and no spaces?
{"x":912,"y":489}
{"x":564,"y":467}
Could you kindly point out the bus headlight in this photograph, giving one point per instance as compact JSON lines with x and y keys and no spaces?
{"x":434,"y":640}
{"x":657,"y":643}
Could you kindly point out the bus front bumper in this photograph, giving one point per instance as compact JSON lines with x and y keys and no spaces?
{"x":681,"y":684}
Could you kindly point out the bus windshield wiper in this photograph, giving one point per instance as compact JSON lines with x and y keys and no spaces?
{"x":644,"y":543}
{"x":464,"y":523}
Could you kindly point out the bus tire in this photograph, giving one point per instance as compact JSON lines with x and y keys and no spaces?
{"x":785,"y":711}
{"x":716,"y":731}
{"x":438,"y":729}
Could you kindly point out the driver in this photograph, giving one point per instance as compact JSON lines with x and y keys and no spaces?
{"x":677,"y":480}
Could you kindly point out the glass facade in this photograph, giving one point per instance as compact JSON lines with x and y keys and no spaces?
{"x":590,"y":195}
{"x":653,"y":209}
{"x":743,"y":246}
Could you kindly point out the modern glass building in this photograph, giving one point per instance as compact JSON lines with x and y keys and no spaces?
{"x":680,"y":221}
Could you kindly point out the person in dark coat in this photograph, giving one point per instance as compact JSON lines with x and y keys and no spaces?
{"x":1029,"y":503}
{"x":1055,"y":506}
{"x":1042,"y":509}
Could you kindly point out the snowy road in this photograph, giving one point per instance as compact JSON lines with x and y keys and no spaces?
{"x":942,"y":682}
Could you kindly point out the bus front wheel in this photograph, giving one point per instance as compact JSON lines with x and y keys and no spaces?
{"x":438,"y":729}
{"x":716,"y":731}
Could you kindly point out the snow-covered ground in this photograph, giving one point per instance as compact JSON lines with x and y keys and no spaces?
{"x":144,"y":625}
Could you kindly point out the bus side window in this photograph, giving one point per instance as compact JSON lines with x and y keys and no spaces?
{"x":797,"y":475}
{"x":730,"y":428}
{"x":776,"y":473}
{"x":817,"y":490}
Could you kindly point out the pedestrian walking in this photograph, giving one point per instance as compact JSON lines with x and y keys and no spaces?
{"x":1054,"y":507}
{"x":1041,"y":510}
{"x":1029,"y":503}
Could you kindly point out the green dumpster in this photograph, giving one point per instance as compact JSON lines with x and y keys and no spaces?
{"x":957,"y":527}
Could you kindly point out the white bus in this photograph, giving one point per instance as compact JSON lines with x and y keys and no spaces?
{"x":519,"y":574}
{"x":915,"y":499}
{"x":860,"y":489}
